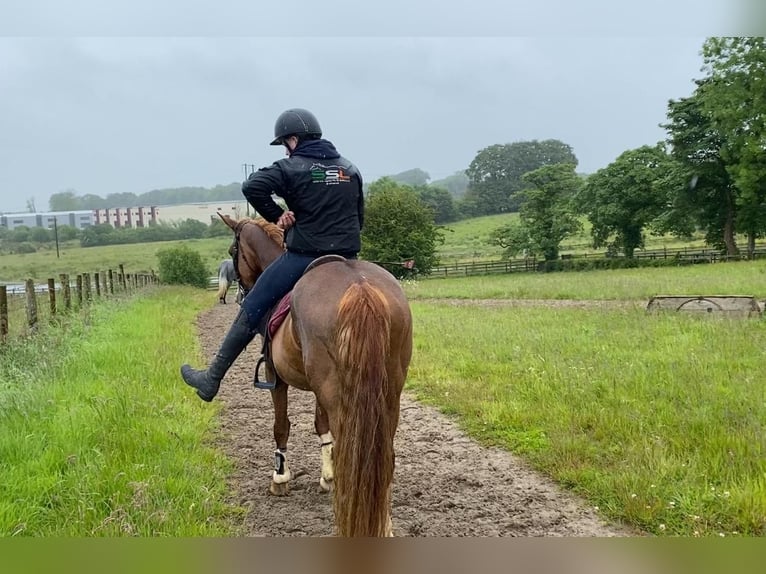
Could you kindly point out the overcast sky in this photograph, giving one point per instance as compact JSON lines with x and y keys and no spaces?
{"x":152,"y":95}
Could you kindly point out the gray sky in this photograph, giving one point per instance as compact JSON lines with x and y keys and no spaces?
{"x":152,"y":95}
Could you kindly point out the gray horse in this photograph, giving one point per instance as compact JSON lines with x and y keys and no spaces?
{"x":226,"y":275}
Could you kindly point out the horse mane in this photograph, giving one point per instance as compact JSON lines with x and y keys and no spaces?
{"x":276,"y":234}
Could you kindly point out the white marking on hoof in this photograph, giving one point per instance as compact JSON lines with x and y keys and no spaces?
{"x":328,"y":470}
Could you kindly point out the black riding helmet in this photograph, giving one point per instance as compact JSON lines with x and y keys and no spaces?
{"x":296,"y":122}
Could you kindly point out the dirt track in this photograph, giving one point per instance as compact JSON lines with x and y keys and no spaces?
{"x":445,"y":483}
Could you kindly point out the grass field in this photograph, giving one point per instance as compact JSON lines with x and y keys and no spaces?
{"x":98,"y":438}
{"x":136,"y":257}
{"x":657,"y":420}
{"x":734,"y":278}
{"x":468,"y":240}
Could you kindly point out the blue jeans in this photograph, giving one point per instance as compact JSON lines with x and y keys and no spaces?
{"x":273,"y":284}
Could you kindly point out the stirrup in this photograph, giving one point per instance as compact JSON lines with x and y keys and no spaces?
{"x":259,"y":384}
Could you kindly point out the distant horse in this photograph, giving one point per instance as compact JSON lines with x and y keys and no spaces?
{"x":226,"y":275}
{"x":348,"y":339}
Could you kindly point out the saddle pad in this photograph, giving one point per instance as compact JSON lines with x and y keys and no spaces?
{"x":283,"y":308}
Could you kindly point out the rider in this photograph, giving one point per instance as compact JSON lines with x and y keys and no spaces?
{"x":325,"y":211}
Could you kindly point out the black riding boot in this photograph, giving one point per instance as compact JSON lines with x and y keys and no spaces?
{"x":207,"y":382}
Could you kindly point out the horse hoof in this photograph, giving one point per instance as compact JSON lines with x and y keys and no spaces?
{"x":279,"y":489}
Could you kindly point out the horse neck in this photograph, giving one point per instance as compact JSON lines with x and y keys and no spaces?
{"x":267,"y":250}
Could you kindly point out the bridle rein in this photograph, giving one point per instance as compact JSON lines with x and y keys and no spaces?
{"x":235,"y":252}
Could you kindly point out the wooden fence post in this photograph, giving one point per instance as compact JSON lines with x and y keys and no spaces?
{"x":3,"y":313}
{"x":64,"y":280}
{"x":52,"y":295}
{"x":86,"y":287}
{"x":123,"y":284}
{"x":97,"y":283}
{"x":79,"y":289}
{"x":106,"y":285}
{"x":31,"y":305}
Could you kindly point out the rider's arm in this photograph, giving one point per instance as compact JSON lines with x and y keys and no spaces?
{"x":259,"y":188}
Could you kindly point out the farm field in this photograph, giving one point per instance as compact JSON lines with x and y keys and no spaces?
{"x":656,"y":420}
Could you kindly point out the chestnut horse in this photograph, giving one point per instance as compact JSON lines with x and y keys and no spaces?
{"x":347,"y":339}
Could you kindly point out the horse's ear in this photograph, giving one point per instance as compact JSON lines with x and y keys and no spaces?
{"x":227,"y":220}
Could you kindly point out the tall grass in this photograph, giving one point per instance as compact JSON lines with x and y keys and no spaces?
{"x":659,"y":421}
{"x":99,"y":437}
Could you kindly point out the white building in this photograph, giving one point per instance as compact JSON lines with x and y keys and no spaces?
{"x":205,"y":212}
{"x":78,"y":219}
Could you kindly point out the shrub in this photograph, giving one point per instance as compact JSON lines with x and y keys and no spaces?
{"x":23,"y":248}
{"x":182,"y":265}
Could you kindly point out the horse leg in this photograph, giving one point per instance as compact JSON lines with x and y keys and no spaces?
{"x":322,"y":427}
{"x":280,"y":480}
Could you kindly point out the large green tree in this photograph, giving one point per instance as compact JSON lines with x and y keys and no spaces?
{"x":624,"y":198}
{"x":710,"y":195}
{"x":734,"y":98}
{"x":496,"y":173}
{"x":399,"y":227}
{"x":546,"y":216}
{"x":718,"y":134}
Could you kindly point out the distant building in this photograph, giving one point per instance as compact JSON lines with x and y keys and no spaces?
{"x":126,"y":216}
{"x":205,"y":212}
{"x":78,"y":219}
{"x":141,"y":216}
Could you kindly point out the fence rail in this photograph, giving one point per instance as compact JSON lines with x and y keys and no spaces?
{"x":23,"y":307}
{"x":532,"y":264}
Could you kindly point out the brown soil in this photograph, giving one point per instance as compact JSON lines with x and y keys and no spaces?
{"x":445,"y":483}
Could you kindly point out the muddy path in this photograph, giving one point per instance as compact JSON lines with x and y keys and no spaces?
{"x":445,"y":483}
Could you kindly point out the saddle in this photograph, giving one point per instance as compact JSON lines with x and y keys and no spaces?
{"x":274,"y":319}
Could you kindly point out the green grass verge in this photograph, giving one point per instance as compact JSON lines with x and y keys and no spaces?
{"x":658,"y":420}
{"x":99,"y":437}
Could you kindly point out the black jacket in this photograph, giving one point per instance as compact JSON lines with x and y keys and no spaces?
{"x":322,"y":189}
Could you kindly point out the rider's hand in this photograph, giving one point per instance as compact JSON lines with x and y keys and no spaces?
{"x":286,"y":220}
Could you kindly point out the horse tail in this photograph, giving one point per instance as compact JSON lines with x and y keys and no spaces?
{"x":223,"y":282}
{"x":364,"y":451}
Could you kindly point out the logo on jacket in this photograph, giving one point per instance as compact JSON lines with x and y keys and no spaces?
{"x":328,"y":174}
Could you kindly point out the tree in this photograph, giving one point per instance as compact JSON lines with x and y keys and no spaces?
{"x":622,"y":199}
{"x":68,"y":232}
{"x":710,"y":196}
{"x":39,"y":235}
{"x":64,"y":201}
{"x":456,"y":183}
{"x":102,"y":234}
{"x":440,"y":201}
{"x":495,"y":174}
{"x":412,"y":177}
{"x":734,"y":98}
{"x":398,"y":227}
{"x":546,"y":216}
{"x":191,"y":229}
